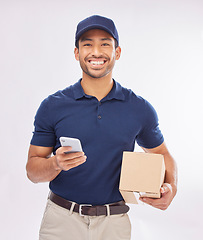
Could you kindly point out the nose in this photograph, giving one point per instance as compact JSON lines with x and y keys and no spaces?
{"x":96,"y":51}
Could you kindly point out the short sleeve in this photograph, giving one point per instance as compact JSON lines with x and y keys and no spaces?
{"x":43,"y":134}
{"x":150,"y":135}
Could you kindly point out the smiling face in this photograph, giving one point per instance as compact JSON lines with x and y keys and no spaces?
{"x":97,"y":53}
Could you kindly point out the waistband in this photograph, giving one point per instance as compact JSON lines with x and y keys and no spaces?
{"x":89,"y":210}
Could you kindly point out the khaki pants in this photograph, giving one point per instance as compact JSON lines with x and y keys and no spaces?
{"x":61,"y":224}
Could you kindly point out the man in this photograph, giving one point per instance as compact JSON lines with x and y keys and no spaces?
{"x":85,"y":202}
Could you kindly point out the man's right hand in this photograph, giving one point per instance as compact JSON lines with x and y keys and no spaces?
{"x":65,"y":160}
{"x":41,"y":167}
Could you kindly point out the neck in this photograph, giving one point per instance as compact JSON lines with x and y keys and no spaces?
{"x":97,"y":87}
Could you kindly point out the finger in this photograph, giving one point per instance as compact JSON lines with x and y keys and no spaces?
{"x":151,"y":201}
{"x":75,"y":160}
{"x":73,"y":163}
{"x":64,"y":159}
{"x":70,"y":166}
{"x":61,"y":150}
{"x":68,"y":156}
{"x":165,"y":188}
{"x":157,"y":203}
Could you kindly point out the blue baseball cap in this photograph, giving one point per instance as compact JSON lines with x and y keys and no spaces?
{"x":96,"y":22}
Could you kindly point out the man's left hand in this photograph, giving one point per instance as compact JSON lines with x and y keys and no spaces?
{"x":165,"y":200}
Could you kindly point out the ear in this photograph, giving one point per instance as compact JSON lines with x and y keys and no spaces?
{"x":118,"y":52}
{"x":76,"y":52}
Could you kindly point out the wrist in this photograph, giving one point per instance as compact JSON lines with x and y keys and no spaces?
{"x":173,"y":188}
{"x":55,"y":164}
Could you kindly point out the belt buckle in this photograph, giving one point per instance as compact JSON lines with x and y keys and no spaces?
{"x":80,"y":208}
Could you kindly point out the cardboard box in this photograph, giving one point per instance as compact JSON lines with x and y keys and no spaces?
{"x":143,"y":173}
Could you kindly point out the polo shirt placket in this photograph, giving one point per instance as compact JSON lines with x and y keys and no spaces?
{"x":99,"y":111}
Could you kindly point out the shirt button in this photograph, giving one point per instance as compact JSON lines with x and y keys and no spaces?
{"x":99,"y":116}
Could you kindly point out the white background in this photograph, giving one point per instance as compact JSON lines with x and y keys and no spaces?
{"x":162,"y":60}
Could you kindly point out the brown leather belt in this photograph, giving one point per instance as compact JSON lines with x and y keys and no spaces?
{"x":89,"y":210}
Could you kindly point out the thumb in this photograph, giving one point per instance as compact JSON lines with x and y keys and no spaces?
{"x":165,"y":188}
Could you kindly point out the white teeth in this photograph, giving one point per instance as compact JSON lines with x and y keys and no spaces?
{"x":97,"y":62}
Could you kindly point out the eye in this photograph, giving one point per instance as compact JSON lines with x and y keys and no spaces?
{"x":105,"y":44}
{"x":87,"y":45}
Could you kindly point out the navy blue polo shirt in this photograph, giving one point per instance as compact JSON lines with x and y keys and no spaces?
{"x":105,"y":128}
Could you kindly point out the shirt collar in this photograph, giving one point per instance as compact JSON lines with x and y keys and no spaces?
{"x":115,"y":93}
{"x":78,"y":90}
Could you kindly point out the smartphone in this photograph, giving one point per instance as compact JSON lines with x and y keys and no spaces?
{"x":72,"y":142}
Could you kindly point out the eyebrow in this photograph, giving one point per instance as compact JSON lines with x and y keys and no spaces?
{"x":106,"y":39}
{"x":86,"y":39}
{"x":89,"y":39}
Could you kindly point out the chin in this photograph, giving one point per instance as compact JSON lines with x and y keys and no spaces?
{"x":101,"y":75}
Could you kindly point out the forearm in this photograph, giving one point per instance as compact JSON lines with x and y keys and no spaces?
{"x":171,"y":172}
{"x":41,"y":169}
